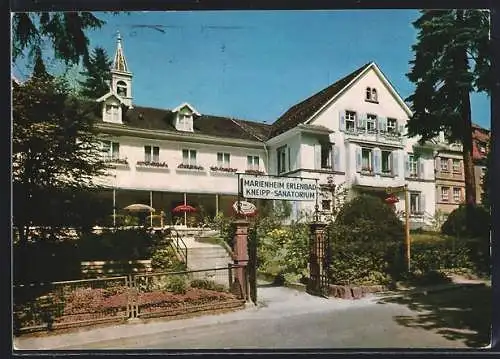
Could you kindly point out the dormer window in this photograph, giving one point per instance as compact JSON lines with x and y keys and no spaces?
{"x":184,"y":115}
{"x":121,"y":88}
{"x":371,"y":94}
{"x":112,"y":113}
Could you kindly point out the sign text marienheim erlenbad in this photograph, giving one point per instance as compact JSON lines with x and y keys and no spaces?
{"x":285,"y":188}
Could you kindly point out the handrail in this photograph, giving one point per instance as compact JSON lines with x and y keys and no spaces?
{"x":180,"y":245}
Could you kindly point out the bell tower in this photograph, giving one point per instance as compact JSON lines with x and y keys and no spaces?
{"x":121,"y":77}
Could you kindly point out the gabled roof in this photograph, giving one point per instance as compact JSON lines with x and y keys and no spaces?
{"x":161,"y":119}
{"x":108,"y":95}
{"x":185,"y":104}
{"x":302,"y":111}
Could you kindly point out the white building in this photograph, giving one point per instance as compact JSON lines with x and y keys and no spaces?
{"x":352,"y":132}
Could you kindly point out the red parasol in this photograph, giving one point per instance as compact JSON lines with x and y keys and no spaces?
{"x":392,"y":199}
{"x":184,"y":208}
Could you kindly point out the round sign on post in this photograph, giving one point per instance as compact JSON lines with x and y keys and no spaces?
{"x":245,"y":208}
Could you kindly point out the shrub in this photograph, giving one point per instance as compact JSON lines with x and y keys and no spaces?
{"x":207,"y":284}
{"x":176,"y":284}
{"x":164,"y":259}
{"x":455,"y":224}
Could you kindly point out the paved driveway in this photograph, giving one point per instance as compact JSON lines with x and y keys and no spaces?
{"x":284,"y":318}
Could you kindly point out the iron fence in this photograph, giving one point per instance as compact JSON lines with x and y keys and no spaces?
{"x":48,"y":306}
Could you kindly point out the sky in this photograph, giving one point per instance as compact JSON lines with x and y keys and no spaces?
{"x":254,"y":65}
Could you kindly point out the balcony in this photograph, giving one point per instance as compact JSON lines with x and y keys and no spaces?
{"x":151,"y":165}
{"x":375,"y":135}
{"x":449,"y":175}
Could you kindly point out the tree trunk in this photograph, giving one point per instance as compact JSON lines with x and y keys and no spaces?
{"x":465,"y":111}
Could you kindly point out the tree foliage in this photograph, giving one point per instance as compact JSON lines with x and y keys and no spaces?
{"x":64,"y":30}
{"x":452,"y":59}
{"x":55,"y":153}
{"x":96,"y":75}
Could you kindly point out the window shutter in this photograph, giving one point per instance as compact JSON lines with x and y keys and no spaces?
{"x":317,"y":156}
{"x":407,"y":166}
{"x":289,"y":159}
{"x":395,"y":164}
{"x":336,"y":158}
{"x":382,"y":124}
{"x":401,"y":128}
{"x":377,"y":160}
{"x":147,"y":153}
{"x":342,"y":120}
{"x":358,"y":159}
{"x":421,"y":168}
{"x":116,"y":150}
{"x":438,"y":164}
{"x":156,"y":154}
{"x":421,"y":203}
{"x":361,"y":121}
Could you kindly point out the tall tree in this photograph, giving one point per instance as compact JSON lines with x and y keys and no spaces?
{"x":96,"y":75}
{"x":55,"y":150}
{"x":65,"y":31}
{"x":452,"y":59}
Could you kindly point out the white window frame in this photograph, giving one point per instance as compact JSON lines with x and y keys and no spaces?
{"x":326,"y":155}
{"x":371,"y":119}
{"x":456,"y":168}
{"x":112,"y":150}
{"x":281,"y":159}
{"x":444,"y":165}
{"x":445,"y":194}
{"x":370,"y":159}
{"x":415,"y":206}
{"x":457,"y":190}
{"x":413,"y":165}
{"x":350,"y":120}
{"x":389,"y":162}
{"x":112,"y":112}
{"x":153,"y":153}
{"x":223,"y":159}
{"x":392,"y":125}
{"x":253,"y":163}
{"x":191,"y":156}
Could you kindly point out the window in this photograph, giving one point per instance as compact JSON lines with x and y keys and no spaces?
{"x":457,"y":194}
{"x":121,"y":88}
{"x":184,"y":122}
{"x":371,"y":94}
{"x":223,"y":159}
{"x":253,"y":163}
{"x":414,"y":203}
{"x":111,"y":150}
{"x":281,"y":156}
{"x":413,"y":165}
{"x":456,"y":166}
{"x":326,"y":155}
{"x":366,"y":160}
{"x":189,"y":157}
{"x":350,"y":120}
{"x":112,"y":112}
{"x":371,"y":123}
{"x":326,"y":205}
{"x":386,"y":162}
{"x":445,"y":194}
{"x":151,"y":154}
{"x":444,"y":165}
{"x":392,"y":125}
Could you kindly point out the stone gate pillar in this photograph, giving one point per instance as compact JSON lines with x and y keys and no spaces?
{"x":240,"y":248}
{"x":317,"y":255}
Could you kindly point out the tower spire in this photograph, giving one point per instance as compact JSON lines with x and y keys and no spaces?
{"x":119,"y":63}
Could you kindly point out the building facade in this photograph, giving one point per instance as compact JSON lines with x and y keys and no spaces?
{"x":352,"y":133}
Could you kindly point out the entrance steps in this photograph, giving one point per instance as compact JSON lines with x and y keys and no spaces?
{"x":208,"y":256}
